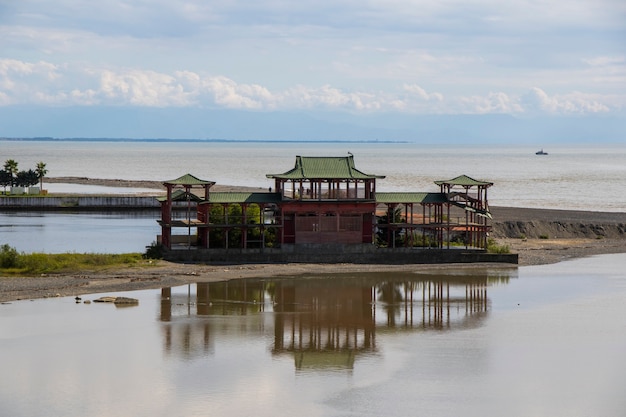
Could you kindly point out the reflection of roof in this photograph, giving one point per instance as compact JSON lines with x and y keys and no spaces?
{"x":311,"y":167}
{"x":243,"y":197}
{"x":188,"y":179}
{"x":424,"y":198}
{"x":337,"y":359}
{"x":464,"y":180}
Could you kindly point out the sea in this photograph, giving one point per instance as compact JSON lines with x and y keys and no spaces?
{"x":573,"y":177}
{"x":582,"y":177}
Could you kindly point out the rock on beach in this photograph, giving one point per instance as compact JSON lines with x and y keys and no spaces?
{"x":117,"y":300}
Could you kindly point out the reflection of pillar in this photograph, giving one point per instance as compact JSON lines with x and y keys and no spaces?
{"x":437,"y":302}
{"x":476,"y":297}
{"x":327,"y":321}
{"x":166,"y":304}
{"x":166,"y":315}
{"x":202,"y":298}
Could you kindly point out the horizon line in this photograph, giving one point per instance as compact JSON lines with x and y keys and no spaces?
{"x":167,"y":140}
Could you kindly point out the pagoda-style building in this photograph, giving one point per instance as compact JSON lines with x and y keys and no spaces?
{"x":323,"y":209}
{"x":326,"y":200}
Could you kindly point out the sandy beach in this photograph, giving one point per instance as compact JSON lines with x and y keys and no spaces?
{"x":539,"y":236}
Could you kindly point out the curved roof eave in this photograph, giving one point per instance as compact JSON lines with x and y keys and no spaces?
{"x":320,"y":168}
{"x":464,"y":180}
{"x":188,"y":179}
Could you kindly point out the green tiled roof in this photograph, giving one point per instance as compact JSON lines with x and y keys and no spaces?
{"x":398,"y":198}
{"x":318,"y":167}
{"x":180,"y":195}
{"x":188,"y":179}
{"x":463,"y":180}
{"x":243,"y":197}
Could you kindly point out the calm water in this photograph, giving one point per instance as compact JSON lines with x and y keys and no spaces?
{"x":584,"y":177}
{"x":538,"y":341}
{"x":80,"y":232}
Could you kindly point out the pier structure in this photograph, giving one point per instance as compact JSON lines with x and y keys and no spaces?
{"x":324,"y":206}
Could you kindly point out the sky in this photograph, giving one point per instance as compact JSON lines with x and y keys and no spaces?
{"x":339,"y":62}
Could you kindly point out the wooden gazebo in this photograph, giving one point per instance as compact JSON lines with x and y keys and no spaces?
{"x":179,"y":192}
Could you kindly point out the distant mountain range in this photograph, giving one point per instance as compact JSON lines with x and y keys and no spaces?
{"x":193,"y":123}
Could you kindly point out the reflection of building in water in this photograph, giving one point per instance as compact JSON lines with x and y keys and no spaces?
{"x":439,"y":303}
{"x":324,"y":322}
{"x":189,"y":337}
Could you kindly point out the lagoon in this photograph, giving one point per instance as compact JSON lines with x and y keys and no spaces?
{"x":79,"y":231}
{"x":542,"y":341}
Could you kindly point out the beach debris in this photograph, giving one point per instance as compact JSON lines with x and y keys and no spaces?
{"x":117,"y":300}
{"x":126,"y":300}
{"x":105,"y":299}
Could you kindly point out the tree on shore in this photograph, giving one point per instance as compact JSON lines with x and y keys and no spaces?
{"x":5,"y":179}
{"x":41,"y":172}
{"x":26,"y":178}
{"x":10,"y":166}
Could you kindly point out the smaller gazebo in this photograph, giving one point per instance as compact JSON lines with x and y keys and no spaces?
{"x":469,"y":195}
{"x":180,"y":192}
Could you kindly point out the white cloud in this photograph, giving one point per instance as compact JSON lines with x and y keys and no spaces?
{"x":575,"y":102}
{"x":144,"y":88}
{"x":421,"y":93}
{"x":497,"y":102}
{"x":48,"y":84}
{"x":229,"y":94}
{"x":15,"y":67}
{"x":604,"y":61}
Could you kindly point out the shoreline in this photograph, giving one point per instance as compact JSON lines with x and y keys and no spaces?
{"x":539,"y":236}
{"x":159,"y":274}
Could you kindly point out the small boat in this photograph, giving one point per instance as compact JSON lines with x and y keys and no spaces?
{"x":541,"y":152}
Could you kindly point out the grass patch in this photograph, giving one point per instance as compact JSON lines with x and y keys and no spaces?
{"x":494,"y":247}
{"x":14,"y":263}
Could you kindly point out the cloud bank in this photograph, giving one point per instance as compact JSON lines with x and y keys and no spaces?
{"x":44,"y":83}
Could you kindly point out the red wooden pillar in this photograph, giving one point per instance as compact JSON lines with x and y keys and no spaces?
{"x":226,"y":229}
{"x":203,"y":232}
{"x":244,"y":228}
{"x":166,"y":219}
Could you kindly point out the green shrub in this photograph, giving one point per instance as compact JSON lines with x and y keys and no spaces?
{"x":154,"y":251}
{"x":544,"y":236}
{"x":8,"y":256}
